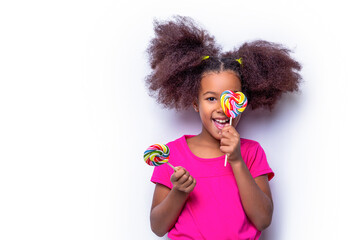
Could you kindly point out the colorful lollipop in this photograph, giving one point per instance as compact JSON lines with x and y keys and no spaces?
{"x":233,"y":103}
{"x":157,"y":154}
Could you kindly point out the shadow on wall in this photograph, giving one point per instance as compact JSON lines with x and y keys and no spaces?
{"x":184,"y":122}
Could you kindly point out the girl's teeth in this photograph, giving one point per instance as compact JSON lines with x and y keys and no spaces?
{"x":219,"y":124}
{"x":220,"y":121}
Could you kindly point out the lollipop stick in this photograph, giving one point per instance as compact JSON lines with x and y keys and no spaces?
{"x":172,"y":166}
{"x":231,"y":120}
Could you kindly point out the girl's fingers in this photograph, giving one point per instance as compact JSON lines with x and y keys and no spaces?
{"x":226,"y":134}
{"x":191,"y":186}
{"x":226,"y":149}
{"x":228,"y":139}
{"x":230,"y":129}
{"x":223,"y":142}
{"x":223,"y":149}
{"x":184,"y":178}
{"x":187,"y":183}
{"x":230,"y":134}
{"x":179,"y":173}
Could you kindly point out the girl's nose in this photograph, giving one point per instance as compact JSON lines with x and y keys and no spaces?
{"x":219,"y":107}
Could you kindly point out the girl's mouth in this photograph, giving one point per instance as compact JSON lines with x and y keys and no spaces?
{"x":220,"y":123}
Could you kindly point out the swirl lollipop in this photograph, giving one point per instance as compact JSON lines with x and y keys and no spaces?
{"x":232,"y":103}
{"x":157,"y":154}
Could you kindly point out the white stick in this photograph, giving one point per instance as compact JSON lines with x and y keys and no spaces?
{"x":172,"y":166}
{"x":231,"y":120}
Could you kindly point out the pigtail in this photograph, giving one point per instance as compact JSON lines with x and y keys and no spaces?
{"x":267,"y":71}
{"x":175,"y":56}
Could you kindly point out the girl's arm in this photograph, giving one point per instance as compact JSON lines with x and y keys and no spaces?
{"x":255,"y":193}
{"x":168,"y":203}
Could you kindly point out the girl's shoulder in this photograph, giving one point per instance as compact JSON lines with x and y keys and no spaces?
{"x":179,"y":141}
{"x":250,"y":147}
{"x":179,"y":144}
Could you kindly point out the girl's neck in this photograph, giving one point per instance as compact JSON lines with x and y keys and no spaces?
{"x":204,"y":145}
{"x":207,"y":139}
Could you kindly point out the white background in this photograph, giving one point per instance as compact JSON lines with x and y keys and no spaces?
{"x":75,"y":116}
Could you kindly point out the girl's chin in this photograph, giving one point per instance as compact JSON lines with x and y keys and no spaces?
{"x":217,"y":135}
{"x":214,"y":134}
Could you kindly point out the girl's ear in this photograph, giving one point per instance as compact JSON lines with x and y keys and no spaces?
{"x":195,"y":106}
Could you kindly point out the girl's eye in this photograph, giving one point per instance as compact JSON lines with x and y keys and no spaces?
{"x":211,"y":99}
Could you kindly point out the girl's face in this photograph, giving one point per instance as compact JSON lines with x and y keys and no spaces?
{"x":212,"y":116}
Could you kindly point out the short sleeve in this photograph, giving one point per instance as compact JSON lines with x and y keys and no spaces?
{"x":162,"y":175}
{"x":259,"y":164}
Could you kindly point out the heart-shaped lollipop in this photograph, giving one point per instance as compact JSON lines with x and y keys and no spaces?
{"x":157,"y":154}
{"x":233,"y":103}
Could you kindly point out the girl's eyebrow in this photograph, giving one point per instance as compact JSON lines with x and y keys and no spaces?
{"x":208,"y":92}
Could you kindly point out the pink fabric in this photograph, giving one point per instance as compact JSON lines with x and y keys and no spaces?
{"x":213,"y":209}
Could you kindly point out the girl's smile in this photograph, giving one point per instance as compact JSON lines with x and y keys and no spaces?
{"x":220,"y":123}
{"x":209,"y":107}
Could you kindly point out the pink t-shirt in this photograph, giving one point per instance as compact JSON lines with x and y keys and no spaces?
{"x":213,"y":209}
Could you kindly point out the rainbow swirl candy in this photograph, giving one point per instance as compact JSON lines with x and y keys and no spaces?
{"x":233,"y":103}
{"x":156,"y":155}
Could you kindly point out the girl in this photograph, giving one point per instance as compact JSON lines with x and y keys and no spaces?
{"x":203,"y":199}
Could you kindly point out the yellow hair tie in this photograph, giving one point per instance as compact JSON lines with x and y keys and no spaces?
{"x":240,"y":60}
{"x":205,"y":57}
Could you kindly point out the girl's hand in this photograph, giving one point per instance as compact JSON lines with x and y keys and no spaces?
{"x":182,"y":180}
{"x":230,"y":143}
